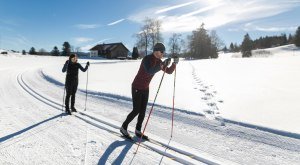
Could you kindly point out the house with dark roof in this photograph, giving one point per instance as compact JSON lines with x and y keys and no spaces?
{"x":111,"y":50}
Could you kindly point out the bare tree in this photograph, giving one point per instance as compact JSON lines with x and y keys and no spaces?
{"x":72,"y":49}
{"x":78,"y":49}
{"x":215,"y":39}
{"x":42,"y":52}
{"x":176,"y":43}
{"x":155,"y":35}
{"x":149,"y":34}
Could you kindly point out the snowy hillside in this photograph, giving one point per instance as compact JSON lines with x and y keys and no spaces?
{"x":244,"y":93}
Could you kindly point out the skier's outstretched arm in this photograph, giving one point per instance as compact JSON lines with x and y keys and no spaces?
{"x":64,"y":69}
{"x":86,"y":67}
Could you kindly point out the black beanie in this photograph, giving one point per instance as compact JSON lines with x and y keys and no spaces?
{"x":71,"y":56}
{"x":159,"y":47}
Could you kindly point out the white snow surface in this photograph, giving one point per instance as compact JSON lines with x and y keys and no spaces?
{"x":258,"y":92}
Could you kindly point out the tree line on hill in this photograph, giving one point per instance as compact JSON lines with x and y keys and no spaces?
{"x":67,"y":49}
{"x":264,"y":42}
{"x":202,"y":43}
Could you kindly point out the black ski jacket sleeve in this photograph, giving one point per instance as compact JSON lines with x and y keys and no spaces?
{"x":81,"y":68}
{"x":64,"y":69}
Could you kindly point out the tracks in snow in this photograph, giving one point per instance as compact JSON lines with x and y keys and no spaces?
{"x":209,"y":96}
{"x":181,"y":156}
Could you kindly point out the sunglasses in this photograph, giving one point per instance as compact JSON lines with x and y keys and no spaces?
{"x":161,"y":51}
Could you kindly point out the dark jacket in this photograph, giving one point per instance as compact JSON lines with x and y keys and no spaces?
{"x":72,"y":72}
{"x":149,"y":66}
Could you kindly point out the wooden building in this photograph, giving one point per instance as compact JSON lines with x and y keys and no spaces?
{"x":111,"y":50}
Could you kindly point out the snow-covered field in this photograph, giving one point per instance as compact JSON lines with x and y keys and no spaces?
{"x":259,"y":91}
{"x":256,"y":92}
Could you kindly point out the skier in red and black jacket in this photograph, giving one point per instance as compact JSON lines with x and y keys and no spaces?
{"x":150,"y":65}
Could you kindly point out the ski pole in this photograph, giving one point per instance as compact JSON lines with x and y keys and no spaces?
{"x":87,"y":80}
{"x":140,"y":139}
{"x":62,"y":105}
{"x":173,"y":103}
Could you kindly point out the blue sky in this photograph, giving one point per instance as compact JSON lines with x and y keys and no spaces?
{"x":84,"y":23}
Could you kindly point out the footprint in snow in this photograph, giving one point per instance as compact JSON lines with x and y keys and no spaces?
{"x":211,"y":104}
{"x":93,"y":142}
{"x":202,"y":90}
{"x":204,"y":98}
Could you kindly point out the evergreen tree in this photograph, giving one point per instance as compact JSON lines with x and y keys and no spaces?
{"x":297,"y":37}
{"x":135,"y":53}
{"x":201,"y":45}
{"x":236,"y":48}
{"x":247,"y":46}
{"x":32,"y":51}
{"x":225,"y":49}
{"x":23,"y":52}
{"x":55,"y":51}
{"x":290,"y":39}
{"x":284,"y":39}
{"x":66,"y":49}
{"x":231,"y":47}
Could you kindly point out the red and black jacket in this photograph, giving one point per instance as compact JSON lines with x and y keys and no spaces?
{"x":149,"y":66}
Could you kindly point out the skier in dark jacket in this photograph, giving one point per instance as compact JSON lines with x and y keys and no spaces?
{"x":72,"y":67}
{"x":150,"y":65}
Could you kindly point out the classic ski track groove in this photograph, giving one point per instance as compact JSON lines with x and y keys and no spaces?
{"x":79,"y":115}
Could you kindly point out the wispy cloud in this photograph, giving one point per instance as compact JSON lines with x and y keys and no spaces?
{"x":23,"y":40}
{"x":6,"y":29}
{"x":202,"y":10}
{"x":87,"y":26}
{"x":252,"y":27}
{"x":8,"y":22}
{"x":83,"y":39}
{"x":86,"y":48}
{"x":188,"y":16}
{"x":174,"y":7}
{"x":101,"y":41}
{"x":19,"y":40}
{"x":116,"y":22}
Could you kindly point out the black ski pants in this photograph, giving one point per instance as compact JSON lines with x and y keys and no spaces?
{"x":139,"y":101}
{"x":71,"y":89}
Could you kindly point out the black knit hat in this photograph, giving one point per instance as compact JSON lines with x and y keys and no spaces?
{"x":71,"y":56}
{"x":159,"y":47}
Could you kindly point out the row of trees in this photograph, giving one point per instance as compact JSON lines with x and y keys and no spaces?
{"x":203,"y":44}
{"x":200,"y":44}
{"x":263,"y":42}
{"x":66,"y":50}
{"x":266,"y":42}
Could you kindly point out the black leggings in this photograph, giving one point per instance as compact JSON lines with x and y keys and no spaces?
{"x":71,"y":92}
{"x":140,"y":101}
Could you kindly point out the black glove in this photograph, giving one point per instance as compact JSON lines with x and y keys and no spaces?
{"x":166,"y":62}
{"x":88,"y":63}
{"x":176,"y":59}
{"x":67,"y":62}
